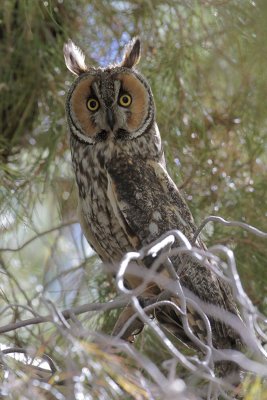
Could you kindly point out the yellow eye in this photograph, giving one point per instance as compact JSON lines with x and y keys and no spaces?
{"x":92,"y":104}
{"x":125,"y":100}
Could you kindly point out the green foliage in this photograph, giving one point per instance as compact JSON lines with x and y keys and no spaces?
{"x":206,"y":63}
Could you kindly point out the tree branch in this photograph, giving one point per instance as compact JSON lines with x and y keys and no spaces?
{"x":119,"y":303}
{"x":39,"y":235}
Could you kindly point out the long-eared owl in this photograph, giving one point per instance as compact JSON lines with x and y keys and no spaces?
{"x":126,"y":196}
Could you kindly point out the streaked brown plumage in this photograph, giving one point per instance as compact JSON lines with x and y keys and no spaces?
{"x":126,"y":197}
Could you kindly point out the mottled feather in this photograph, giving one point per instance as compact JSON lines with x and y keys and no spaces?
{"x":126,"y":196}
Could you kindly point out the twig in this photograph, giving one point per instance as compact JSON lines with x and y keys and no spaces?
{"x":44,"y":357}
{"x":119,"y":303}
{"x":38,"y":236}
{"x":213,"y":218}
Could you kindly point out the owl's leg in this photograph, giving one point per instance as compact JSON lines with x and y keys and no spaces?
{"x":135,"y":327}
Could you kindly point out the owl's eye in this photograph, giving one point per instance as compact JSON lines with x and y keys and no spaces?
{"x":125,"y":100}
{"x":92,"y":104}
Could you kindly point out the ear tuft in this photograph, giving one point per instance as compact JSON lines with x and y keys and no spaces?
{"x":132,"y":53}
{"x":74,"y":58}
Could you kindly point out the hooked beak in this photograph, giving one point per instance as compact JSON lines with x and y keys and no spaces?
{"x":110,"y":118}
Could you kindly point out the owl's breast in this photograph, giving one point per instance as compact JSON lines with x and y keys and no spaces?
{"x":106,"y":232}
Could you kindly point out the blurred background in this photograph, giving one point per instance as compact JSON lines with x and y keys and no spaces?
{"x":206,"y":61}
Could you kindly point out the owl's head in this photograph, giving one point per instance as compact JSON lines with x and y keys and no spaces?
{"x":113,"y":103}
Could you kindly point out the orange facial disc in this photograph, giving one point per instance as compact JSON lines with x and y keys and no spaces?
{"x":139,"y":104}
{"x":79,"y":100}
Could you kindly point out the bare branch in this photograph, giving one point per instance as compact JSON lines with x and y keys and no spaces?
{"x":56,"y":228}
{"x":118,"y":303}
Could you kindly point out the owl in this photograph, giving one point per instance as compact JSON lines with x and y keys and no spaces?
{"x":126,"y":197}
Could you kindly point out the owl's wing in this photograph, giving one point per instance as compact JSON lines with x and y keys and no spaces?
{"x":149,"y":204}
{"x":146,"y":200}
